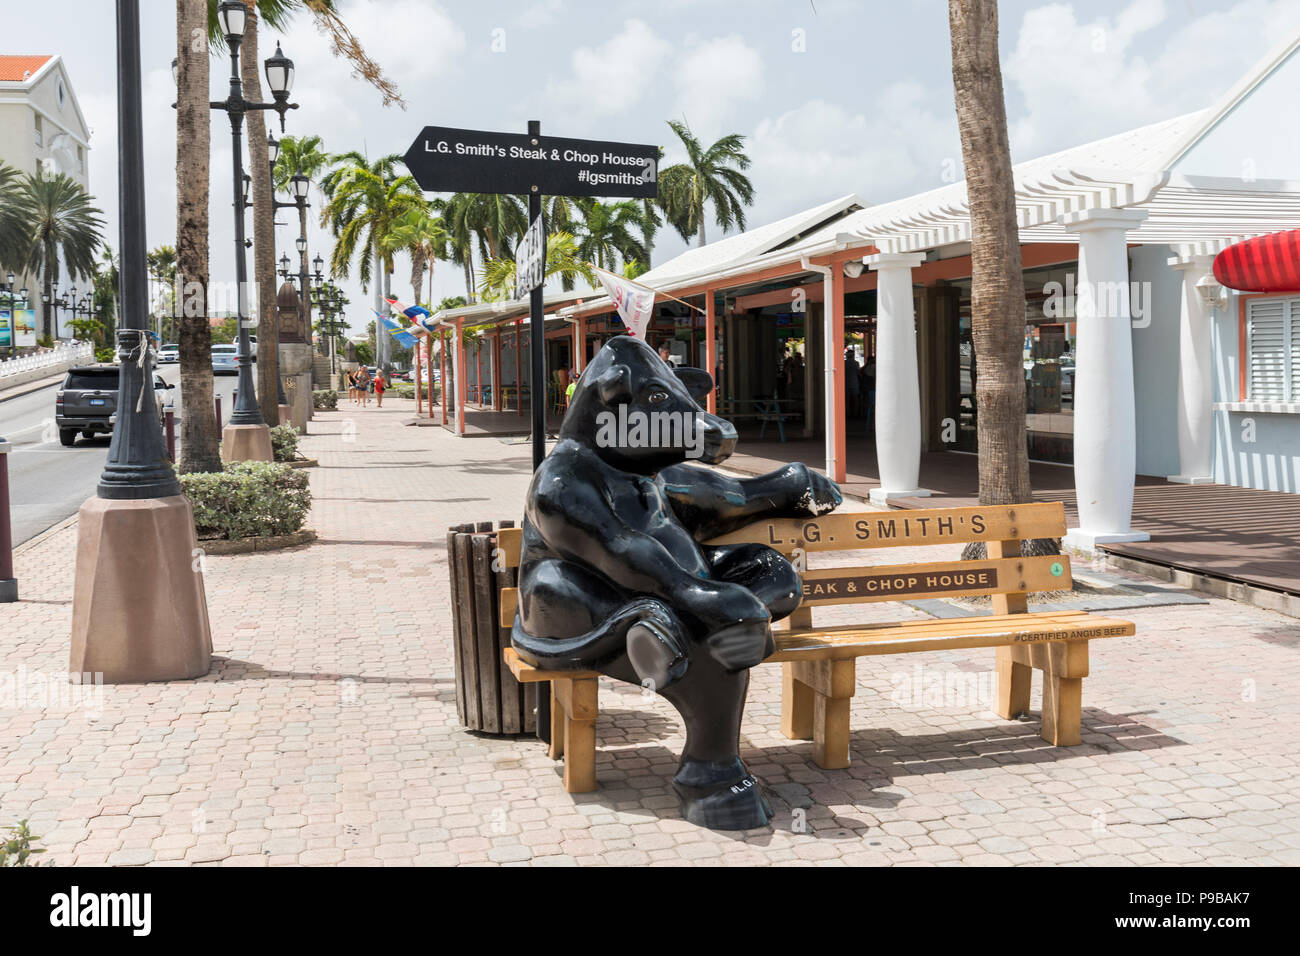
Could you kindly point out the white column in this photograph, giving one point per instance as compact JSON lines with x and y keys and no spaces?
{"x":1105,"y":429}
{"x":898,"y":391}
{"x":1195,"y":386}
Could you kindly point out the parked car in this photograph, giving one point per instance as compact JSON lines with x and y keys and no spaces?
{"x":225,"y":360}
{"x":169,"y":354}
{"x":87,"y":401}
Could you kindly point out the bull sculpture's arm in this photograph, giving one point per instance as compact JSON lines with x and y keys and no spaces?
{"x":576,"y":521}
{"x":711,"y":504}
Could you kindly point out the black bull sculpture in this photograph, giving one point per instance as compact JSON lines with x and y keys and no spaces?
{"x":613,"y":576}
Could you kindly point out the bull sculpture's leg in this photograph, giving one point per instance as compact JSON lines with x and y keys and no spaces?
{"x":714,"y":787}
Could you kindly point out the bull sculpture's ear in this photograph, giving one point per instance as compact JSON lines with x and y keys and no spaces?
{"x":615,"y":385}
{"x":697,"y":381}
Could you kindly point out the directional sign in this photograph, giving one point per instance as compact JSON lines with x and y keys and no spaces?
{"x":530,"y":260}
{"x":474,"y":161}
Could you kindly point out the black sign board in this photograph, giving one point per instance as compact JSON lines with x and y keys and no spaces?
{"x":474,"y":161}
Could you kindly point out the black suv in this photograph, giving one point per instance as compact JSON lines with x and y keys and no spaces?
{"x":87,"y":401}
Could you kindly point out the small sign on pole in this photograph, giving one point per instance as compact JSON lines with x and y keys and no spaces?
{"x":530,"y":264}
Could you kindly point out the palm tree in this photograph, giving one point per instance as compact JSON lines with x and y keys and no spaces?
{"x":61,"y":222}
{"x":365,"y":200}
{"x":608,"y":232}
{"x":13,"y":228}
{"x":997,"y":282}
{"x":200,"y":430}
{"x":563,"y":259}
{"x":709,"y":175}
{"x":421,"y":235}
{"x":161,"y":261}
{"x":460,"y":243}
{"x":107,"y":290}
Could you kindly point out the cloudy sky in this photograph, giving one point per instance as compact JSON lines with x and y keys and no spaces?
{"x":833,"y":96}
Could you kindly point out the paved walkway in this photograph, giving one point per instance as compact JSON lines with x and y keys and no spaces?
{"x":327,"y":733}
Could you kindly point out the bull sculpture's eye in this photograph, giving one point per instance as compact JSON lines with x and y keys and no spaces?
{"x":657,"y":397}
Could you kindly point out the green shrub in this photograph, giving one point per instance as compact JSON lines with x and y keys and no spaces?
{"x":248,"y":499}
{"x":325,"y":398}
{"x":284,"y":443}
{"x":17,"y":849}
{"x":402,"y":389}
{"x":106,"y":354}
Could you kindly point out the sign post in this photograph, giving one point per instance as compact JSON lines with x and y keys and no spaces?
{"x":537,"y":322}
{"x":443,"y":159}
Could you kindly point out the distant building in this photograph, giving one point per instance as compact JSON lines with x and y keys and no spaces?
{"x":42,"y":127}
{"x":41,"y":124}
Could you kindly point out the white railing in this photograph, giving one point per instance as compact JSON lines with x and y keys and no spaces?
{"x":64,"y":353}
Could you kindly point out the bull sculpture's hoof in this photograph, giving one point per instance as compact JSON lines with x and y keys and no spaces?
{"x":721,"y":796}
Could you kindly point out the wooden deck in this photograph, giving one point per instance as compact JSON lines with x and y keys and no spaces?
{"x":1238,"y":534}
{"x":487,"y":423}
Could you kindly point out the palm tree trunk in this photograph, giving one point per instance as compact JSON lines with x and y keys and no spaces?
{"x":200,"y":430}
{"x":259,"y":159}
{"x":997,"y":284}
{"x":469,"y":280}
{"x":700,"y":234}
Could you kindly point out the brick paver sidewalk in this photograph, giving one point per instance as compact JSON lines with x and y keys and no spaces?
{"x":327,"y":731}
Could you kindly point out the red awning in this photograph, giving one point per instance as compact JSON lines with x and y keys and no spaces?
{"x":1263,"y":264}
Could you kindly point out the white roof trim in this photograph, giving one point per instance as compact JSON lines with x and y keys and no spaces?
{"x":1237,"y":95}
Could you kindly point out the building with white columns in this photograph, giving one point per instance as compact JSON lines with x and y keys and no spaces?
{"x":1138,"y":365}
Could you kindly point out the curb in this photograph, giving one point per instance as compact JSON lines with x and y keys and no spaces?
{"x":49,"y":532}
{"x":302,"y":463}
{"x":223,"y":546}
{"x":18,"y":391}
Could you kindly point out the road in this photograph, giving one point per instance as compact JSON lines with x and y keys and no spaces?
{"x":48,"y":482}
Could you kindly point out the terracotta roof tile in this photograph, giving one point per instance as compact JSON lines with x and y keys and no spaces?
{"x":13,"y":68}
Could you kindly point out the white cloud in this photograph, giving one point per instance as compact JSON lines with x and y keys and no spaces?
{"x":610,"y":78}
{"x":714,"y":76}
{"x":540,"y":14}
{"x":902,"y":142}
{"x":1075,"y":81}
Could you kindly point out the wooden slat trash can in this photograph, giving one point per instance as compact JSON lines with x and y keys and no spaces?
{"x":488,"y":697}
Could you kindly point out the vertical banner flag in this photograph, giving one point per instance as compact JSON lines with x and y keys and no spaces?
{"x":635,"y":303}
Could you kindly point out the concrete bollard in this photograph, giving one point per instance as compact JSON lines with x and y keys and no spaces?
{"x":8,"y":583}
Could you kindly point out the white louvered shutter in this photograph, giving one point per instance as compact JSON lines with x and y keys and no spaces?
{"x":1293,"y":320}
{"x":1268,"y":357}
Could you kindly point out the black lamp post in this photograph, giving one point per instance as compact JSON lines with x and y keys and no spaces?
{"x":137,"y":466}
{"x":10,"y":300}
{"x":232,"y":16}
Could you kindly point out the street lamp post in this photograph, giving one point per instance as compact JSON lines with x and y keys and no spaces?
{"x":139,"y":612}
{"x":247,"y":436}
{"x":10,"y":299}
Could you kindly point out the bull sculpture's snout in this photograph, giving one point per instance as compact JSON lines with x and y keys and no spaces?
{"x":719,"y":438}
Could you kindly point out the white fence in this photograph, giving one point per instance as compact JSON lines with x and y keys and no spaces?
{"x":15,"y":371}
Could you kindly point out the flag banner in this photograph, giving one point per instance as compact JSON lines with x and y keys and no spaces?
{"x":403,"y":338}
{"x":635,"y":302}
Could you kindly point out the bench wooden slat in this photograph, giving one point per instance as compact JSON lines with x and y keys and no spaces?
{"x":878,"y":529}
{"x":510,"y":541}
{"x":526,"y":673}
{"x":894,"y":529}
{"x":912,"y":636}
{"x":941,"y":579}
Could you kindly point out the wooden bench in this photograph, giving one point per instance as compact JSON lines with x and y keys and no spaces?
{"x":819,"y":663}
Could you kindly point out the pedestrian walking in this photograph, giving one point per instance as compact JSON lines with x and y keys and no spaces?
{"x":380,"y":383}
{"x":363,"y":385}
{"x":352,"y":386}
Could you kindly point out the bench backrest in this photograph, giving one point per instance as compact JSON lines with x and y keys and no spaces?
{"x":1005,"y":574}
